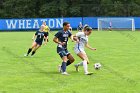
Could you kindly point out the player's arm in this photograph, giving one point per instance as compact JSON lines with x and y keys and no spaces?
{"x":71,"y":37}
{"x":55,"y":39}
{"x":34,"y":36}
{"x":48,"y":29}
{"x":77,"y":36}
{"x":89,"y":47}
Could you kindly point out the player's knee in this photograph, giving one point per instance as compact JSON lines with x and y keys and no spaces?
{"x":64,"y":58}
{"x":72,"y":60}
{"x":86,"y":61}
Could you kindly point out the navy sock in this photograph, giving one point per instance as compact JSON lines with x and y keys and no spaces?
{"x":33,"y":53}
{"x":29,"y":50}
{"x":68,"y":63}
{"x":63,"y":66}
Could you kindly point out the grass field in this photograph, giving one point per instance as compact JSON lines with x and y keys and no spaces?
{"x":118,"y":52}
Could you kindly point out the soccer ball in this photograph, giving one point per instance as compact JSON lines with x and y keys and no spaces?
{"x":97,"y":65}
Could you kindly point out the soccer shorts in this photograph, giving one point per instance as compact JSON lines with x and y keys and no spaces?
{"x":62,"y":52}
{"x":38,"y":42}
{"x":78,"y":50}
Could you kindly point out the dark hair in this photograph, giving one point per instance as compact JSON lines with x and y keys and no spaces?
{"x":65,"y":23}
{"x":88,"y":28}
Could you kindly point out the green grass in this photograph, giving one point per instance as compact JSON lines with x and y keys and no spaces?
{"x":118,"y":52}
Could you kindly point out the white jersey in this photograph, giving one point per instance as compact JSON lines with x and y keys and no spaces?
{"x":83,"y":39}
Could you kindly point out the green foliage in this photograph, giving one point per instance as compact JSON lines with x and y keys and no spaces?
{"x":68,"y":8}
{"x":49,"y":9}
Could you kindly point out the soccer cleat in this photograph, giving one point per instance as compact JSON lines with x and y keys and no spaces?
{"x":59,"y":69}
{"x":89,"y":73}
{"x":25,"y":55}
{"x":76,"y":66}
{"x":65,"y":73}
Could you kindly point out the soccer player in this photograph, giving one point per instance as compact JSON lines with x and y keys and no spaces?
{"x":80,"y":27}
{"x":61,"y":38}
{"x":110,"y":26}
{"x":46,"y":30}
{"x":81,"y":42}
{"x":38,"y":36}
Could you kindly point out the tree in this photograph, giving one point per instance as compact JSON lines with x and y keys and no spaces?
{"x":68,"y":8}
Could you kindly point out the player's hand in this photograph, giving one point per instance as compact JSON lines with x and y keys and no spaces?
{"x":76,"y":41}
{"x":62,"y":43}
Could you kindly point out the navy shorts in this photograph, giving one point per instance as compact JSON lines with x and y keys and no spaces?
{"x":38,"y":42}
{"x":62,"y":52}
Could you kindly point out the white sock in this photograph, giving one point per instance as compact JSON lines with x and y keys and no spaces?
{"x":85,"y":66}
{"x":80,"y":64}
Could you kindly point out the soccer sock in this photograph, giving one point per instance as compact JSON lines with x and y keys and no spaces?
{"x":47,"y":40}
{"x":33,"y":53}
{"x":85,"y":66}
{"x":29,"y":50}
{"x":80,"y":64}
{"x":68,"y":63}
{"x":63,"y":66}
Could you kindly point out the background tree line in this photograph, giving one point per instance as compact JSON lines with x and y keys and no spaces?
{"x":68,"y":8}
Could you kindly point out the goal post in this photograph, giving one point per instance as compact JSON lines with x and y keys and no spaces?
{"x":116,"y":24}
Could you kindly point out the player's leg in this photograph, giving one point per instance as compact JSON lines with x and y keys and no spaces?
{"x":80,"y":63}
{"x":85,"y":61}
{"x":34,"y":44}
{"x":34,"y":49}
{"x":110,"y":29}
{"x":87,"y":58}
{"x":70,"y":59}
{"x":85,"y":64}
{"x":63,"y":56}
{"x":78,"y":51}
{"x":63,"y":66}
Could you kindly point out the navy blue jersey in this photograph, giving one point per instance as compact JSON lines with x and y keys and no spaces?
{"x":63,"y":37}
{"x":40,"y":36}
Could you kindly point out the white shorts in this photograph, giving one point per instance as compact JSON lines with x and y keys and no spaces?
{"x":78,"y":50}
